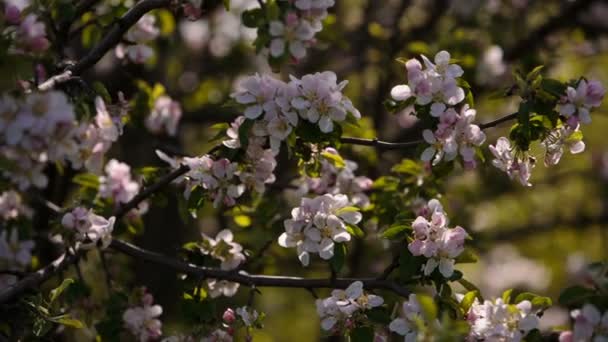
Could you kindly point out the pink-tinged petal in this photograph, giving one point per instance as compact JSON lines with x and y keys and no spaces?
{"x":401,"y":92}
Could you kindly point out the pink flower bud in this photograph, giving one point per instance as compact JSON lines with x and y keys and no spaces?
{"x":565,"y":336}
{"x":230,"y":331}
{"x":12,"y":14}
{"x":229,"y":317}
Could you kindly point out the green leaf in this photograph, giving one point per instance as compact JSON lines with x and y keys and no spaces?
{"x":87,"y":180}
{"x":242,"y":220}
{"x":272,"y":10}
{"x":226,"y":4}
{"x":59,"y":290}
{"x":533,"y":75}
{"x":506,"y":296}
{"x":575,"y":295}
{"x":362,"y":334}
{"x":468,"y":300}
{"x":553,"y":87}
{"x":102,"y":91}
{"x":355,"y":230}
{"x":67,"y":321}
{"x":470,"y":287}
{"x":335,"y":159}
{"x":536,"y":300}
{"x":428,"y":306}
{"x":253,"y":18}
{"x":395,"y":232}
{"x":337,"y":262}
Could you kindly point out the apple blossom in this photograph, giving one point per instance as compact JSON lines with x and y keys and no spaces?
{"x":142,"y":321}
{"x":321,"y":100}
{"x":336,"y":180}
{"x":317,"y":225}
{"x":31,"y":34}
{"x":345,"y":305}
{"x":89,"y":228}
{"x":248,"y":316}
{"x":589,"y":325}
{"x":496,"y":320}
{"x":507,"y":160}
{"x":579,"y":102}
{"x":406,"y":324}
{"x":231,"y":256}
{"x":144,"y":31}
{"x":437,"y":83}
{"x":455,"y":134}
{"x":257,"y":93}
{"x":293,"y":34}
{"x":221,"y":288}
{"x":165,"y":116}
{"x":224,"y":249}
{"x":15,"y":254}
{"x":12,"y":206}
{"x":557,"y":139}
{"x":117,"y":184}
{"x":436,"y":242}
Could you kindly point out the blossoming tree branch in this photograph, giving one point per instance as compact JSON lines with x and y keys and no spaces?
{"x":278,"y":171}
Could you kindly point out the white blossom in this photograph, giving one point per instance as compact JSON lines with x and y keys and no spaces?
{"x":317,"y":225}
{"x":498,"y":321}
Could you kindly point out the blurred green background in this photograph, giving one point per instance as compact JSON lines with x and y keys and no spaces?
{"x":536,"y":238}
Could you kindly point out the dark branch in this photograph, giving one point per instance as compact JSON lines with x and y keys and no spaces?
{"x":253,"y":280}
{"x":385,"y":145}
{"x":109,"y":41}
{"x":63,"y":261}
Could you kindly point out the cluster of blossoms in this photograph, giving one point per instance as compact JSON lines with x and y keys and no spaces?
{"x":455,"y":134}
{"x":15,"y":255}
{"x":12,"y":206}
{"x":589,"y":325}
{"x":408,"y":322}
{"x":498,"y":321}
{"x":316,"y":98}
{"x":437,"y":85}
{"x":259,"y":162}
{"x":230,"y":254}
{"x":165,"y":116}
{"x":28,"y":33}
{"x":338,"y":180}
{"x":142,"y":321}
{"x":576,"y":104}
{"x":42,"y":128}
{"x":90,"y":229}
{"x":216,"y":176}
{"x":345,"y":307}
{"x":117,"y":185}
{"x":144,"y":31}
{"x":297,"y":28}
{"x":317,"y":225}
{"x":515,"y":164}
{"x":575,"y":108}
{"x":436,"y":241}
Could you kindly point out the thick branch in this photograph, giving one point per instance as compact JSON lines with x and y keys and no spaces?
{"x":253,"y":279}
{"x":63,"y":261}
{"x":385,"y":145}
{"x":109,"y":41}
